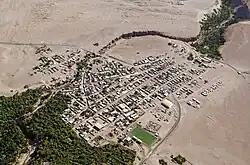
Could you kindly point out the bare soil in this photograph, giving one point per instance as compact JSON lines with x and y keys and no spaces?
{"x":236,"y":50}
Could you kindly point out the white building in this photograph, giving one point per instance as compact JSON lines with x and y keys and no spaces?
{"x":167,"y":103}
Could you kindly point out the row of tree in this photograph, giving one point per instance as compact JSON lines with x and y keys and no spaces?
{"x":133,"y":34}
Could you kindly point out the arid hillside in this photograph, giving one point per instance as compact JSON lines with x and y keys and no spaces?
{"x":236,"y":49}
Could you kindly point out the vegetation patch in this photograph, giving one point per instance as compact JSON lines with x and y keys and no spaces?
{"x":12,"y":139}
{"x":162,"y":162}
{"x":213,"y":26}
{"x":178,"y":159}
{"x":143,"y":135}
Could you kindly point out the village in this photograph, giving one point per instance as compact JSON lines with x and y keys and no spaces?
{"x":135,"y":104}
{"x":125,"y":82}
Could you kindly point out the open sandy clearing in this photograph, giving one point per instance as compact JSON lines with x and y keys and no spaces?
{"x":138,"y":48}
{"x":16,"y":62}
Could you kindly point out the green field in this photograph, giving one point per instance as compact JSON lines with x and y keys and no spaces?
{"x":143,"y":135}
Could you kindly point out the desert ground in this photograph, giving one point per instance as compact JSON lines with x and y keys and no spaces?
{"x":83,"y":23}
{"x":136,"y":49}
{"x":236,"y":50}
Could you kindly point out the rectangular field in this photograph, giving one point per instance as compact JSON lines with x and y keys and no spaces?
{"x":143,"y":135}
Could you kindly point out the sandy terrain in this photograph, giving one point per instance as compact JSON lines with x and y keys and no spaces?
{"x":139,"y":48}
{"x":236,"y":50}
{"x":84,"y":23}
{"x":16,"y":62}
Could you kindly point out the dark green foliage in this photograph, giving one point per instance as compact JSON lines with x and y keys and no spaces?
{"x":162,"y":162}
{"x":213,"y":25}
{"x":82,"y":65}
{"x":58,"y":144}
{"x":190,"y":57}
{"x":12,"y":140}
{"x":179,"y":159}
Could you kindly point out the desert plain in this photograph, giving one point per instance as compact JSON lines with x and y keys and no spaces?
{"x":217,"y":133}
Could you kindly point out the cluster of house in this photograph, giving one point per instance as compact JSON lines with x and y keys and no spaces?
{"x":213,"y":87}
{"x":100,"y":94}
{"x":194,"y":103}
{"x":185,"y":91}
{"x":114,"y":94}
{"x":60,"y":66}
